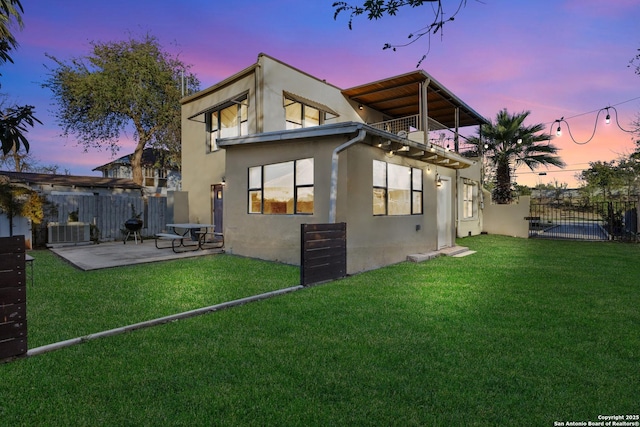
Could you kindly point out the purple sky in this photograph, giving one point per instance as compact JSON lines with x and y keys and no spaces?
{"x":554,"y":58}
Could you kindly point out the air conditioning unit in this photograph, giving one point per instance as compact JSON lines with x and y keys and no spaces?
{"x":74,"y":232}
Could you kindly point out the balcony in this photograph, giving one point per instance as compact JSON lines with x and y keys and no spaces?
{"x":439,"y":135}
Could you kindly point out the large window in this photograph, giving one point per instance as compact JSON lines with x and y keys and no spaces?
{"x":282,"y":188}
{"x":397,"y":190}
{"x":469,"y":191}
{"x":230,"y":119}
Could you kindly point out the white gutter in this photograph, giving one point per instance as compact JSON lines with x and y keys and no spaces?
{"x":333,"y":193}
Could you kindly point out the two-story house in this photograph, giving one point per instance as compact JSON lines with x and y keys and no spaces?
{"x":272,"y":147}
{"x":159,"y":173}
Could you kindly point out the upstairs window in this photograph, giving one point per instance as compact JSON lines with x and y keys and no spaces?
{"x":299,"y":115}
{"x":227,"y":120}
{"x":300,"y":112}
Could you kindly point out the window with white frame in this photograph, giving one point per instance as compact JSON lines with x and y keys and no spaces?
{"x":149,"y":176}
{"x":469,"y":199}
{"x":227,"y":120}
{"x":162,"y":177}
{"x":282,"y":188}
{"x":397,"y":190}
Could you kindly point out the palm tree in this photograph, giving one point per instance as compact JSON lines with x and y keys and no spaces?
{"x":509,"y":141}
{"x":14,"y":121}
{"x":10,"y":11}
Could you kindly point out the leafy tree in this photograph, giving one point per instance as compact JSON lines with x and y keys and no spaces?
{"x":377,"y":9}
{"x":616,"y":176}
{"x":119,"y":85}
{"x":20,"y":200}
{"x":509,"y":142}
{"x":13,"y":120}
{"x":523,"y":190}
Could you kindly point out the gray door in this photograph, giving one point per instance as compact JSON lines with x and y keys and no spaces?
{"x":216,"y":205}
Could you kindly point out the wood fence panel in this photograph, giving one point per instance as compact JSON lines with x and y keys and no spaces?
{"x":323,"y":252}
{"x":155,"y":219}
{"x":108,"y":212}
{"x":13,"y":297}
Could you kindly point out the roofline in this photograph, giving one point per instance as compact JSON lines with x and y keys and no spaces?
{"x":204,"y":92}
{"x":245,"y":72}
{"x":343,"y":128}
{"x":434,"y":84}
{"x":70,"y":180}
{"x":455,"y":98}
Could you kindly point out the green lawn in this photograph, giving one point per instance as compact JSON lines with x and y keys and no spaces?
{"x":524,"y":332}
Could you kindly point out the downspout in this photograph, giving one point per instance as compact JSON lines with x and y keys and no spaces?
{"x":333,"y":192}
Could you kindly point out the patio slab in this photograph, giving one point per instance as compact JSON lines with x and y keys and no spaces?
{"x":117,"y":254}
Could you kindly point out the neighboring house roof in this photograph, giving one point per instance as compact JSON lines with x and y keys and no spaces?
{"x":70,"y":180}
{"x":150,"y":157}
{"x":400,"y":96}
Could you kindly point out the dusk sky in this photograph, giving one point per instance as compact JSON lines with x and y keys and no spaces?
{"x":557,"y":59}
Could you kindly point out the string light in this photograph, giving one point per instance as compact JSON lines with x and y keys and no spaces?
{"x":595,"y":126}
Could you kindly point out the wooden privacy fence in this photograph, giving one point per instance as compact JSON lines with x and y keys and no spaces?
{"x":13,"y":298}
{"x":108,"y":212}
{"x":323,"y":252}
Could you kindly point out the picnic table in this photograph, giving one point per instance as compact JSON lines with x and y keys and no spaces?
{"x":191,"y":236}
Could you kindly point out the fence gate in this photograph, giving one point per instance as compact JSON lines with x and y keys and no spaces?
{"x":13,"y":298}
{"x":323,"y":252}
{"x":610,"y":220}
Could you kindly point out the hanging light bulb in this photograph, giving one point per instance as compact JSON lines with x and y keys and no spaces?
{"x":486,"y":145}
{"x":558,"y":131}
{"x":607,"y":119}
{"x":519,"y":141}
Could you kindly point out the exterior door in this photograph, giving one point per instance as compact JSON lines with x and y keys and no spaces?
{"x":217,"y":194}
{"x":444,"y":213}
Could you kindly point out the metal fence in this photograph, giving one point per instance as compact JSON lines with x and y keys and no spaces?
{"x":608,"y":220}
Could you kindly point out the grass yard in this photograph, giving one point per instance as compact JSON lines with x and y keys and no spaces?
{"x":524,"y":332}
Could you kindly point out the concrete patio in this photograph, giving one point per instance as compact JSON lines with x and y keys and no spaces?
{"x":117,"y":254}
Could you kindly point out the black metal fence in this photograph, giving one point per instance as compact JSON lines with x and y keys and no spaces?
{"x":609,"y":220}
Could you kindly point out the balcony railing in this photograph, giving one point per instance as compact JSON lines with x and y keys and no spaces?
{"x":439,"y":134}
{"x":404,"y":124}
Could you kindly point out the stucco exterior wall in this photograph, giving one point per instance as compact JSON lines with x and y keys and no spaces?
{"x":507,"y":220}
{"x":265,"y":84}
{"x":372,"y":241}
{"x":277,"y":77}
{"x":271,"y":237}
{"x":201,"y":167}
{"x":470,"y":226}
